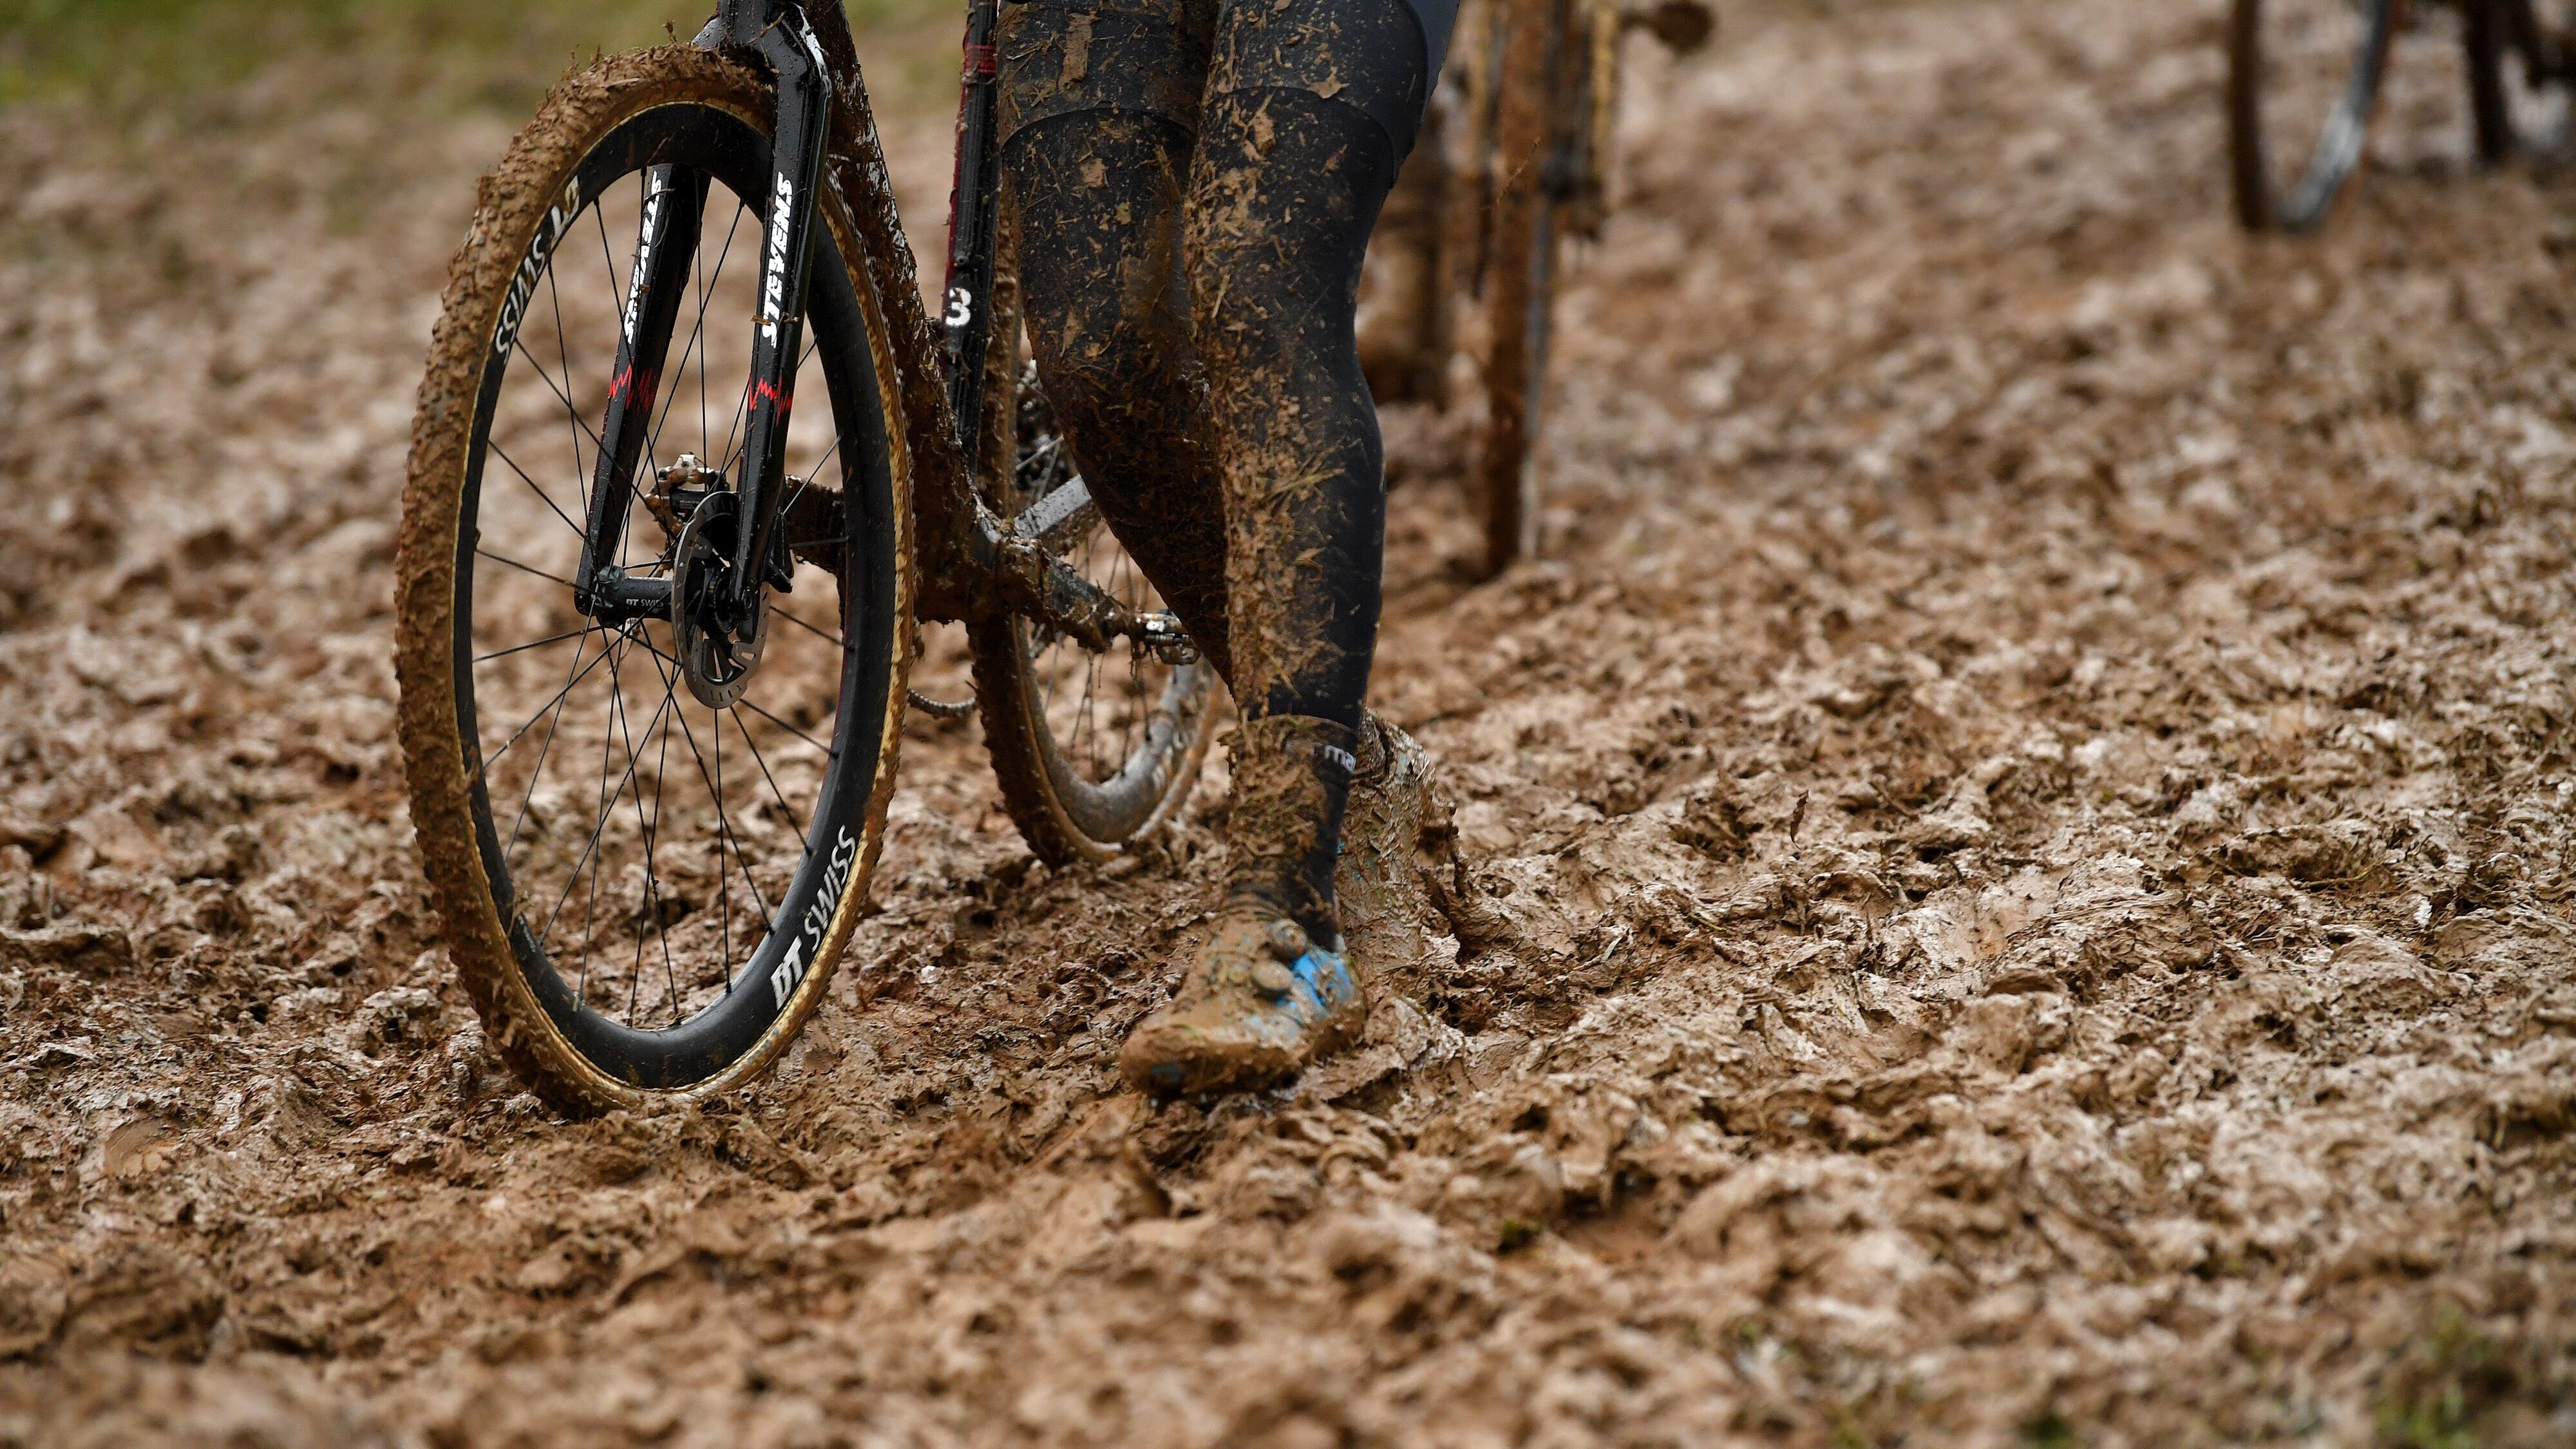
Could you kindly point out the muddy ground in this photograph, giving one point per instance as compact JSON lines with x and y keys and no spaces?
{"x":2028,"y":797}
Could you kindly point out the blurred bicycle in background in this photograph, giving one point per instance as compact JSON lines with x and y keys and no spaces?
{"x":1516,"y":157}
{"x":2307,"y":79}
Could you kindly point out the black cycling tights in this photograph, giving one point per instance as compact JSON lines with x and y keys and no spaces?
{"x":1195,"y":187}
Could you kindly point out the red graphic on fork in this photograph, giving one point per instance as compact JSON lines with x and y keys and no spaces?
{"x":643,"y":384}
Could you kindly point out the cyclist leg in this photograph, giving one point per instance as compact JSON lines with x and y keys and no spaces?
{"x":1311,"y":104}
{"x":1100,"y":111}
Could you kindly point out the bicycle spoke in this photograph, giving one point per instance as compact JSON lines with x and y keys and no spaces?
{"x":521,"y":343}
{"x":563,"y":351}
{"x":652,"y":843}
{"x":724,"y":836}
{"x":828,"y":752}
{"x":733,"y":429}
{"x":762,"y":761}
{"x":482,"y":552}
{"x":499,"y":452}
{"x":756,"y":755}
{"x":617,"y":712}
{"x":697,"y":331}
{"x":1088,"y":721}
{"x":536,"y":643}
{"x":515,"y":735}
{"x":833,"y":639}
{"x":608,"y":258}
{"x":700,"y":326}
{"x":724,"y":818}
{"x":825,"y":461}
{"x":626,"y":734}
{"x":537,"y":771}
{"x":608,"y":807}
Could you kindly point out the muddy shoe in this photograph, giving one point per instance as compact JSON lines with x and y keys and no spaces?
{"x":1387,"y":915}
{"x":1259,"y":1003}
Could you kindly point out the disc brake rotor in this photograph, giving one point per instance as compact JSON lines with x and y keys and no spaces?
{"x":717,"y":659}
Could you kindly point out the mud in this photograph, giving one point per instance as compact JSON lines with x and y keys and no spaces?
{"x":2014,"y":841}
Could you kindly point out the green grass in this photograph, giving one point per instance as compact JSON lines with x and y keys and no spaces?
{"x":147,"y":55}
{"x":2439,"y":1388}
{"x":2049,"y":1430}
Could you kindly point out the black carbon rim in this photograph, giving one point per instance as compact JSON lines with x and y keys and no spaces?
{"x":668,"y":887}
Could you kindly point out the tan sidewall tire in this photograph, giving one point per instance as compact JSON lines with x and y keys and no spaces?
{"x":1012,"y":709}
{"x":511,"y":202}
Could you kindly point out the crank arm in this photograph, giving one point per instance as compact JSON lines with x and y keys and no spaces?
{"x":1039,"y":586}
{"x":1020,"y":562}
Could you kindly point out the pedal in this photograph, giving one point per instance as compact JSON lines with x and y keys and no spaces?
{"x":1162,"y":636}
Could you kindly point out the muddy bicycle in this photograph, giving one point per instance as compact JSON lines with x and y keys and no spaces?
{"x":690,"y":465}
{"x":2306,"y":79}
{"x":1514,"y":161}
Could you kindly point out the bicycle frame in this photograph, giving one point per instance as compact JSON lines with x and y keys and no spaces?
{"x":971,"y":564}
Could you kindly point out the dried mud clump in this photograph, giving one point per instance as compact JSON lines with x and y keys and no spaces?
{"x":2009,"y":879}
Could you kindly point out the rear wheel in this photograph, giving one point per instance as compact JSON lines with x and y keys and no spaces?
{"x":2303,"y":84}
{"x":1094,"y":749}
{"x":646,"y":877}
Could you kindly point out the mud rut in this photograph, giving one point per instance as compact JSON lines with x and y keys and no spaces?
{"x":2029,"y":795}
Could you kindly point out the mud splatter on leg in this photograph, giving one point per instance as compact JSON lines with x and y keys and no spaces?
{"x":1286,"y":187}
{"x":1100,"y":114}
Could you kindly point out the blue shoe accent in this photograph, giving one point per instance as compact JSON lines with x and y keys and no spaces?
{"x":1324,"y":979}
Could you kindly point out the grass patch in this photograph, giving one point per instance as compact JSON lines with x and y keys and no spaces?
{"x":2440,"y":1388}
{"x":153,"y":55}
{"x":2049,"y":1430}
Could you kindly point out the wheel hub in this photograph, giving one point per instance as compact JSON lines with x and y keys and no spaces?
{"x":718,"y":652}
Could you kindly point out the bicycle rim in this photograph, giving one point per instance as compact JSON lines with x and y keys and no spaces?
{"x":669,"y":881}
{"x":1096,"y":748}
{"x":2305,"y":80}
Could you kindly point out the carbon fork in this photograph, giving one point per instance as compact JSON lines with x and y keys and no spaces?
{"x":675,"y":202}
{"x":1013,"y":565}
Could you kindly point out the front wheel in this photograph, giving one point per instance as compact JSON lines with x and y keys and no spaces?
{"x":646,"y":877}
{"x":2303,"y":81}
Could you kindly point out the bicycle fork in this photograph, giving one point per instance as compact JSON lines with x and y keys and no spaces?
{"x":665,"y":250}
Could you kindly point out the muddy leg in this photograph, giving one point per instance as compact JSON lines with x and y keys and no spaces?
{"x":1099,"y":199}
{"x":1285,"y":190}
{"x":1100,"y":112}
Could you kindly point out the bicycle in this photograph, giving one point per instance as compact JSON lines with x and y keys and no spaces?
{"x":725,"y":629}
{"x":1515,"y":157}
{"x":2306,"y":79}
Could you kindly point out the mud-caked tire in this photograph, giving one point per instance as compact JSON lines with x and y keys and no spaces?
{"x":2294,"y":181}
{"x":1071,"y":806}
{"x":599,"y":128}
